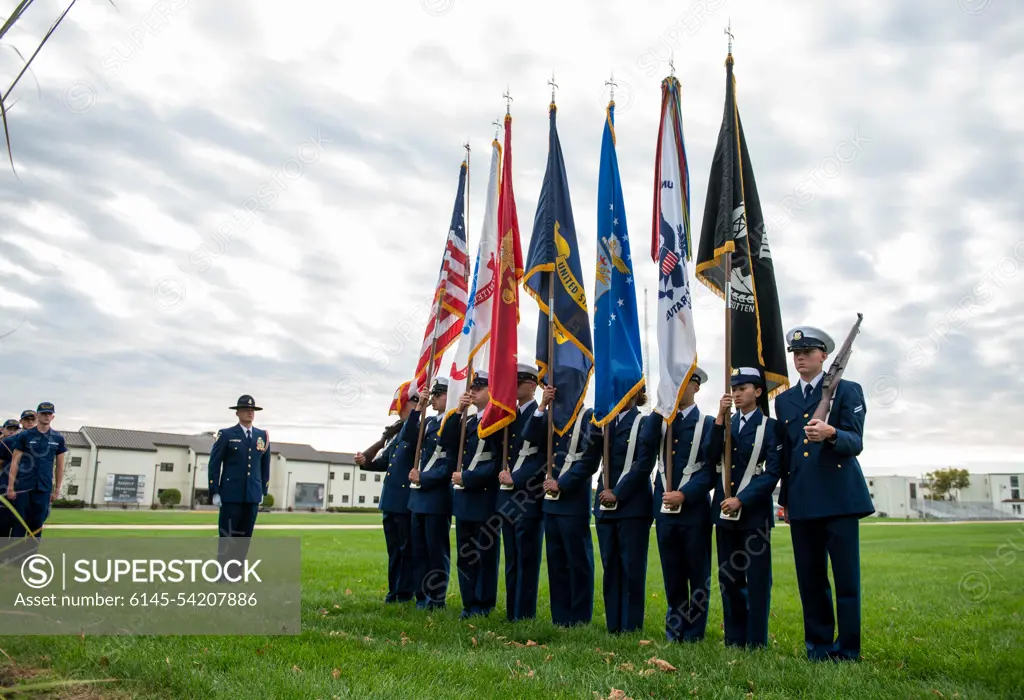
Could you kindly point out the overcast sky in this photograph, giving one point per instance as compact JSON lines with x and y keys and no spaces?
{"x":886,"y":139}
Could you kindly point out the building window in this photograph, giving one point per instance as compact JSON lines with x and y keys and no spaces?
{"x":1015,"y":494}
{"x":362,"y":477}
{"x":913,"y":492}
{"x":1016,"y":506}
{"x":346,"y":476}
{"x":344,"y":498}
{"x":376,"y":477}
{"x":1014,"y":482}
{"x":76,"y":461}
{"x":73,"y":490}
{"x":332,"y":476}
{"x":330,"y":498}
{"x":167,"y":466}
{"x":870,"y":483}
{"x":362,"y":499}
{"x":376,"y":499}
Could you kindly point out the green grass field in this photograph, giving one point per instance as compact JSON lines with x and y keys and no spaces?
{"x":942,"y":617}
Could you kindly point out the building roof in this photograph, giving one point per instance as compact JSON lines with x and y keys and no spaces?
{"x":147,"y":441}
{"x":75,"y":439}
{"x":347,"y":458}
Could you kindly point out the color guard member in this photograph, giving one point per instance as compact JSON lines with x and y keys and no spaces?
{"x":825,"y":496}
{"x":682,"y":513}
{"x":430,"y":501}
{"x":519,"y":503}
{"x":744,"y":543}
{"x":623,"y":516}
{"x":568,"y":541}
{"x":473,"y":502}
{"x":395,"y":460}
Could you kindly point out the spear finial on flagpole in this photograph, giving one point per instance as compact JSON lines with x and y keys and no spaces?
{"x":611,"y":87}
{"x":508,"y":101}
{"x":728,"y":33}
{"x":554,"y":86}
{"x":672,"y":65}
{"x":497,"y":128}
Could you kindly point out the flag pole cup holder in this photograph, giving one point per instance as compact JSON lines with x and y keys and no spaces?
{"x":507,"y":487}
{"x":613,"y":506}
{"x":414,"y":485}
{"x":670,"y":509}
{"x":731,"y":517}
{"x":548,"y":496}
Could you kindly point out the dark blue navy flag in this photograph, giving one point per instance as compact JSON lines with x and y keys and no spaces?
{"x":553,"y":248}
{"x":618,"y":358}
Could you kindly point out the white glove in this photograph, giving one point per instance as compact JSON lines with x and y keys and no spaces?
{"x":216,"y":500}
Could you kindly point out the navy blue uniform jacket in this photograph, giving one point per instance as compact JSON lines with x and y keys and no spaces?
{"x":434,"y":496}
{"x":757,"y":495}
{"x":477,"y":500}
{"x":574,"y":483}
{"x":696,"y":504}
{"x":820,"y":479}
{"x":395,"y":460}
{"x":632,"y":493}
{"x":239,"y":469}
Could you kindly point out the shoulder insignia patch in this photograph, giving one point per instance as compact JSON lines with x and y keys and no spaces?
{"x":859,"y":408}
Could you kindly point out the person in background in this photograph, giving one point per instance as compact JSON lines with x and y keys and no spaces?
{"x":37,"y":474}
{"x":239,"y":470}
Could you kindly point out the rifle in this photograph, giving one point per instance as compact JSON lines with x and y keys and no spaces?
{"x":389,"y":432}
{"x":830,"y":381}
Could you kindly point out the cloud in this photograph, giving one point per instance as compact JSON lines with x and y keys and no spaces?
{"x":217,"y":200}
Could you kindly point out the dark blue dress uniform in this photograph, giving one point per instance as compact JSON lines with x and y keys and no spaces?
{"x":477,"y":532}
{"x":34,"y":480}
{"x":744,"y":545}
{"x":624,"y":534}
{"x":522,"y":525}
{"x":430,"y":508}
{"x":239,"y":471}
{"x":684,"y":537}
{"x":568,"y":541}
{"x":824,"y":490}
{"x":396,"y":460}
{"x":7,"y":518}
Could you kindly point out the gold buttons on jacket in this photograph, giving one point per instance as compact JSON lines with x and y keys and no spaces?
{"x":805,"y":415}
{"x":805,"y":441}
{"x":806,"y":454}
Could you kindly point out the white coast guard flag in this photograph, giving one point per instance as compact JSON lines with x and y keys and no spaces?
{"x":670,"y":248}
{"x":476,"y":331}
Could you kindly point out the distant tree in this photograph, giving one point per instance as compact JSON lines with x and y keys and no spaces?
{"x":943,"y":483}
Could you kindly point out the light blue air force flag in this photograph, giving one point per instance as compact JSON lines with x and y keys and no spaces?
{"x":618,"y":360}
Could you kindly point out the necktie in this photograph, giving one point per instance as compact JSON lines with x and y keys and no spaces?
{"x":807,"y":390}
{"x":743,"y":421}
{"x":248,"y":435}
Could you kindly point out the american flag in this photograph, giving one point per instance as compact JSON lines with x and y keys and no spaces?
{"x":668,"y":262}
{"x":448,"y":308}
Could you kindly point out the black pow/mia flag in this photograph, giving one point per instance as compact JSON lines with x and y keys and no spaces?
{"x":733,"y":223}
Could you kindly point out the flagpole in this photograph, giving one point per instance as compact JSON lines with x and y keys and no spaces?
{"x":469,"y":369}
{"x":727,"y":277}
{"x":551,"y":341}
{"x":430,"y":372}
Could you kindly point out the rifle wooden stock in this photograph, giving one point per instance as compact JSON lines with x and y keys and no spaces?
{"x":830,"y":381}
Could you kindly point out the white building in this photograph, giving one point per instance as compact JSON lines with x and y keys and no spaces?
{"x":895,"y":496}
{"x":110,"y":467}
{"x":1003,"y":491}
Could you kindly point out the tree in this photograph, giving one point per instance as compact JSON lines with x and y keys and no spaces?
{"x":170,"y":497}
{"x":947,"y":482}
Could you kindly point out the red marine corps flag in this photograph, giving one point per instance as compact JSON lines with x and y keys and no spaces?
{"x":503,"y":374}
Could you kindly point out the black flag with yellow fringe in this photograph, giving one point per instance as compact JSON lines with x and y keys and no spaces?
{"x":733,"y":223}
